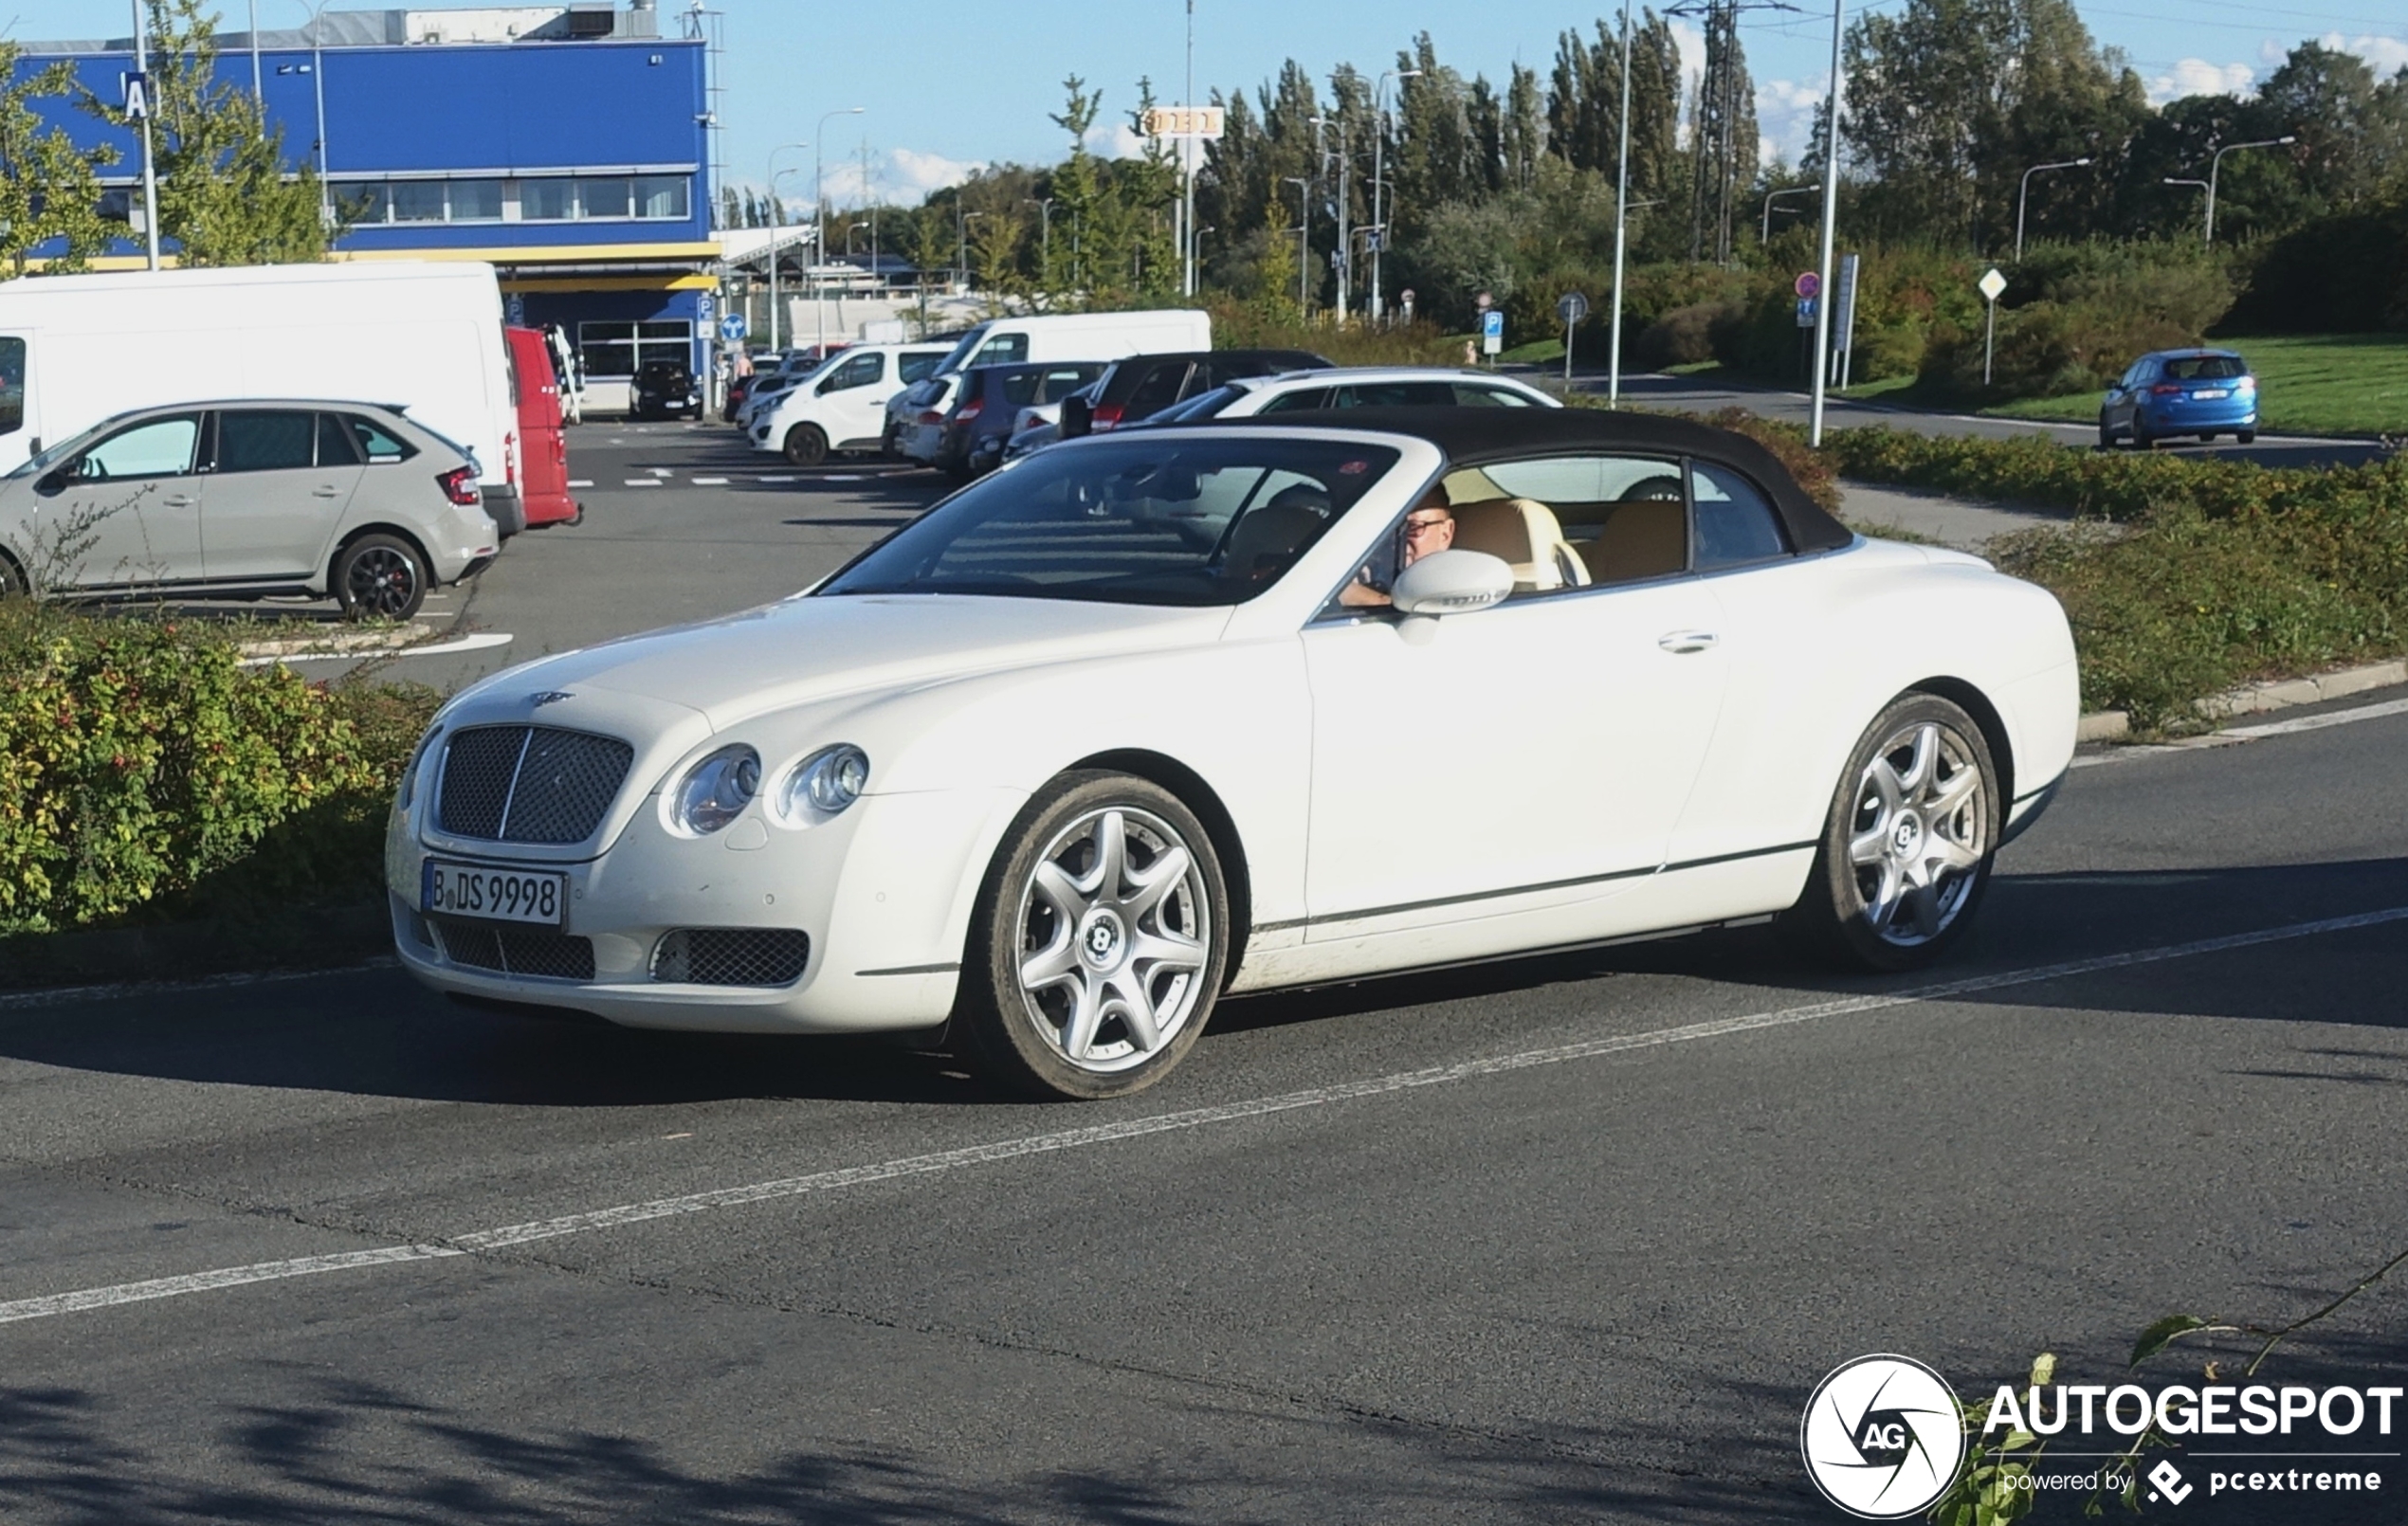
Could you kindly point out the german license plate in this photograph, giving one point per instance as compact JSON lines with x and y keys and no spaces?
{"x":2209,"y":393}
{"x":497,"y":895}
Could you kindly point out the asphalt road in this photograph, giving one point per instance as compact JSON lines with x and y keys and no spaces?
{"x":1549,"y":1240}
{"x":1688,"y":394}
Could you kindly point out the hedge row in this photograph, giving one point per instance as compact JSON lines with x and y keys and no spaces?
{"x":2109,"y":484}
{"x":145,"y":773}
{"x":2213,"y":573}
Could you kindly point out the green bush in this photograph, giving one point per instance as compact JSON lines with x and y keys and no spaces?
{"x":143,"y":770}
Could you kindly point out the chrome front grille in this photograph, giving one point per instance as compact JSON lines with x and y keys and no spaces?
{"x":529,"y":784}
{"x":509,"y":949}
{"x":732,"y":956}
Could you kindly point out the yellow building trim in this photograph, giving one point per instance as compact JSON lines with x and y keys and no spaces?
{"x":530,"y":253}
{"x":660,"y":283}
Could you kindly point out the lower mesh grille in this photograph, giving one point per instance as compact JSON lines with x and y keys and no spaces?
{"x":732,"y":956}
{"x":511,"y":950}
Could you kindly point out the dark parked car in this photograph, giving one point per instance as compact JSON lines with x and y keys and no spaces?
{"x":989,"y":399}
{"x":1142,"y":386}
{"x":664,"y":388}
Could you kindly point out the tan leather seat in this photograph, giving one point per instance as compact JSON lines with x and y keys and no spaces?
{"x":1639,"y":540}
{"x":1526,"y":535}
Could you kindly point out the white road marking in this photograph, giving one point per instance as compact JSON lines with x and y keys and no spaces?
{"x":580,"y":482}
{"x":658,"y":471}
{"x":642,"y":482}
{"x":460,"y":644}
{"x":949,"y":1160}
{"x":842,"y":477}
{"x":779,"y":478}
{"x":20,"y":1000}
{"x":710,"y":482}
{"x":2235,"y":735}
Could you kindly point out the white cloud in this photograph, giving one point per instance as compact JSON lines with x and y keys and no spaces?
{"x":2197,"y":77}
{"x":1114,"y":139}
{"x":1785,"y":116}
{"x":2387,"y":54}
{"x":901,"y":175}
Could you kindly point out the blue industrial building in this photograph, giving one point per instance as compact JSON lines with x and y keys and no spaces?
{"x":566,"y":144}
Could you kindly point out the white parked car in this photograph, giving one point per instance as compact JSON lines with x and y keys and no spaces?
{"x":1246,"y":397}
{"x":842,"y":405}
{"x":1169,"y":713}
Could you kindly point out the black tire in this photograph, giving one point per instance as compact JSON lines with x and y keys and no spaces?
{"x":2106,"y":434}
{"x":1840,"y":916}
{"x":806,"y":445}
{"x":887,"y":444}
{"x":380,"y":575}
{"x":2246,"y":437}
{"x":12,"y":581}
{"x":1024,"y":1036}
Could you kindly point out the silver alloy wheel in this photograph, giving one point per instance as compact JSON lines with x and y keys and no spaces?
{"x":1115,"y":934}
{"x":1919,"y":832}
{"x":382,"y":580}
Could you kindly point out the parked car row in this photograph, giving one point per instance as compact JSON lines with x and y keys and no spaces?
{"x":207,"y":472}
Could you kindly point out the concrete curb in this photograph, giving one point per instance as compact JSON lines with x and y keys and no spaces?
{"x":2252,"y":699}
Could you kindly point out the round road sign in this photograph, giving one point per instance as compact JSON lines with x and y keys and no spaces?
{"x":1806,"y":285}
{"x":1571,"y":307}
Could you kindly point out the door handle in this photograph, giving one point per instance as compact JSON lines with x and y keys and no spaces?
{"x":328,"y":491}
{"x":177,"y":500}
{"x":1683,"y":643}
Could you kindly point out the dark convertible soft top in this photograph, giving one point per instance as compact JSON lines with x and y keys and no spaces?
{"x":1470,"y":436}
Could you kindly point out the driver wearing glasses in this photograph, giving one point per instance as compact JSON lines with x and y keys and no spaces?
{"x":1430,"y":528}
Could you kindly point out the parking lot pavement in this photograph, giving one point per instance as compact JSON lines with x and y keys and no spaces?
{"x":1545,"y":1239}
{"x":682,"y":521}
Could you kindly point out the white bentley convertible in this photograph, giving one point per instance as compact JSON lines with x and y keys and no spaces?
{"x":1154,"y":717}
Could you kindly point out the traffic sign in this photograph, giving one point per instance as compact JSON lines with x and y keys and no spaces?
{"x":1807,"y":284}
{"x":1571,"y":307}
{"x":1805,"y":312}
{"x":1491,"y":332}
{"x":1993,"y":285}
{"x":732,"y":328}
{"x":515,"y":310}
{"x":1483,"y":302}
{"x":138,"y":95}
{"x":706,"y":306}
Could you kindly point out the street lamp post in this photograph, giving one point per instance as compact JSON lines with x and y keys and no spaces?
{"x":318,"y":79}
{"x":1379,"y":179}
{"x":1304,"y":241}
{"x":2216,"y":166}
{"x":2174,"y":180}
{"x":1830,"y":235}
{"x":150,"y":174}
{"x":774,"y":173}
{"x":2024,"y":192}
{"x":1344,"y":244}
{"x":1621,"y":223}
{"x":819,"y":221}
{"x":1188,"y":146}
{"x":961,"y":253}
{"x":1045,"y":236}
{"x":1766,"y":235}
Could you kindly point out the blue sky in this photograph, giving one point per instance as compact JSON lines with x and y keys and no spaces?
{"x":950,"y":84}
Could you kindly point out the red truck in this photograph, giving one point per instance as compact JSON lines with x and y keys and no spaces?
{"x":542,"y":454}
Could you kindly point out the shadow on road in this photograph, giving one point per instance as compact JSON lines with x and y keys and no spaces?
{"x":375,"y":1033}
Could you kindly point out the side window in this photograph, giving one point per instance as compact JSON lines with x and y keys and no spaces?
{"x":335,"y":447}
{"x":1623,"y":518}
{"x":1061,"y":381}
{"x":1003,"y":349}
{"x":909,"y":369}
{"x":1472,"y":394}
{"x":11,"y":384}
{"x":861,"y":371}
{"x":159,"y":447}
{"x":1396,"y":394}
{"x":1734,"y":524}
{"x":265,"y":439}
{"x":1019,"y":388}
{"x":1157,"y":390}
{"x":375,"y":442}
{"x":1303,"y":400}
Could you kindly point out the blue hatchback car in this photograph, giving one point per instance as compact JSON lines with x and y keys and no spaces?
{"x":2203,"y":393}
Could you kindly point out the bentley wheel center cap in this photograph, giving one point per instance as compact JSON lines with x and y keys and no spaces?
{"x":1908,"y":835}
{"x":1101,"y":937}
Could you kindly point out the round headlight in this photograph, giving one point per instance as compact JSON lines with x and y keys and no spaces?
{"x":826,"y":782}
{"x":716,"y":791}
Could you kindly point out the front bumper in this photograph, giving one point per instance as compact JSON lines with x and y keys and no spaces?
{"x":883,"y":893}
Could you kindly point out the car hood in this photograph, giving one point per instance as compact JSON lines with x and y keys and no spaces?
{"x":805,"y":650}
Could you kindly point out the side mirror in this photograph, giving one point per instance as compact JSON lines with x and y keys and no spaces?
{"x":52,"y":482}
{"x":1451,"y":582}
{"x":1078,"y":417}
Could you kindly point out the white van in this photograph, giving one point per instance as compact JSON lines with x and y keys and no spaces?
{"x":1051,"y":336}
{"x":414,"y":335}
{"x":842,"y":406}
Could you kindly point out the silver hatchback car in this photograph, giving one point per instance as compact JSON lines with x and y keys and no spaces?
{"x":240,"y":499}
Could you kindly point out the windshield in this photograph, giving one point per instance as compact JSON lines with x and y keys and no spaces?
{"x":35,"y":465}
{"x":1202,"y":406}
{"x":960,"y":356}
{"x":2205,"y":368}
{"x":1181,"y":521}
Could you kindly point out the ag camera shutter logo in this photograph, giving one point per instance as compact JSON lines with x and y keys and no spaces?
{"x":1882,"y":1437}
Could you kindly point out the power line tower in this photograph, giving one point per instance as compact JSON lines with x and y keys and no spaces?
{"x":1722,"y":125}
